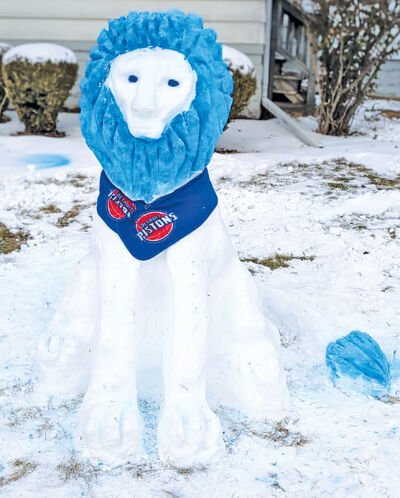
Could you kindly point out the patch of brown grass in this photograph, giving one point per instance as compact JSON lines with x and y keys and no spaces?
{"x":279,"y":434}
{"x":277,"y":260}
{"x":52,"y":134}
{"x":76,"y":180}
{"x":224,"y":179}
{"x":69,"y":216}
{"x":16,"y":388}
{"x":11,"y":241}
{"x":260,"y":180}
{"x":277,"y":486}
{"x":22,"y":468}
{"x":139,"y":470}
{"x":71,"y":404}
{"x":43,"y":428}
{"x":344,"y":166}
{"x":336,"y":174}
{"x":390,"y":113}
{"x":37,"y":215}
{"x":50,"y":209}
{"x":391,"y":400}
{"x":338,"y":185}
{"x":72,"y":469}
{"x":21,"y":415}
{"x":227,"y":151}
{"x":188,"y":471}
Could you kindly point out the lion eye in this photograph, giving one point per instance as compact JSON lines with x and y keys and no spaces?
{"x":132,"y":78}
{"x":173,"y":82}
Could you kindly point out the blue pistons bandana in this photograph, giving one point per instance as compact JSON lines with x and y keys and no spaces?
{"x":148,"y":229}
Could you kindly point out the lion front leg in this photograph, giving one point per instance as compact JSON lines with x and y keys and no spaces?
{"x":64,"y":351}
{"x":109,"y":422}
{"x":245,"y":370}
{"x":189,"y":433}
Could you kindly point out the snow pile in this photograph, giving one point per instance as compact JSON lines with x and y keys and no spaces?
{"x":4,"y":47}
{"x":40,"y":53}
{"x":236,"y":60}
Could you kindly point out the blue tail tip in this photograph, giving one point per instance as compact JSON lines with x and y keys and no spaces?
{"x":358,"y":362}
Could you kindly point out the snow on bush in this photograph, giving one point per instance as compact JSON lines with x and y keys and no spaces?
{"x":4,"y":47}
{"x":38,"y":78}
{"x":245,"y":83}
{"x":237,"y":60}
{"x":40,"y":53}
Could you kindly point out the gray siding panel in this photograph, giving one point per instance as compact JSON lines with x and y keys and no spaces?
{"x":388,"y":83}
{"x":210,"y":10}
{"x":88,"y":30}
{"x":77,"y":23}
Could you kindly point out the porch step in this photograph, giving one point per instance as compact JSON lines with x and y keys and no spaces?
{"x":298,"y":108}
{"x":288,"y":88}
{"x":288,"y":77}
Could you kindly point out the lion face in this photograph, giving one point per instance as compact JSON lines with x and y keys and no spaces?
{"x":151,"y":86}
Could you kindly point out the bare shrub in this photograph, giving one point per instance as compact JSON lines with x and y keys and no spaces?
{"x":350,"y":40}
{"x":3,"y":97}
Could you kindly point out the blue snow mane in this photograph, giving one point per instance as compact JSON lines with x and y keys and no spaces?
{"x":145,"y":168}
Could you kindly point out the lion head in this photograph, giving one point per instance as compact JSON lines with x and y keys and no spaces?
{"x":151,"y":145}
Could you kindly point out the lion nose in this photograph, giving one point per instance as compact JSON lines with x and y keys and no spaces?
{"x":144,"y":102}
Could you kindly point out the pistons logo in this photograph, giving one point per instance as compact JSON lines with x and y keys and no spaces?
{"x":155,"y":226}
{"x":119,"y":206}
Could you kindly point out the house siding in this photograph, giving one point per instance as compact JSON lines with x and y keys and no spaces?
{"x":388,"y":81}
{"x":77,"y":23}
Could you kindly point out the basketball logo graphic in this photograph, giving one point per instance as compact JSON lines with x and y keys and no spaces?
{"x":155,"y":226}
{"x":119,"y":206}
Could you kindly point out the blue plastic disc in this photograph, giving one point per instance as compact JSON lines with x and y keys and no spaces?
{"x":44,"y":161}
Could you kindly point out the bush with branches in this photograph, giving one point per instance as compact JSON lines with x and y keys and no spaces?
{"x":244,"y":79}
{"x":350,"y":41}
{"x":3,"y":97}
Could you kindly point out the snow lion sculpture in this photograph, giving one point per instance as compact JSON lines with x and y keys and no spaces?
{"x":155,"y":99}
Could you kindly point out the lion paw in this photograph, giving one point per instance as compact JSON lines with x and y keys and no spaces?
{"x":189,"y":437}
{"x":63,"y":364}
{"x":110,"y":431}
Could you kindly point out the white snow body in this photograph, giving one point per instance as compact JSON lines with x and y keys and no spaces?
{"x":217,"y":344}
{"x":40,"y":53}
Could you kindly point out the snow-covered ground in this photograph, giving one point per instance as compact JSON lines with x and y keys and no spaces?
{"x":328,"y":219}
